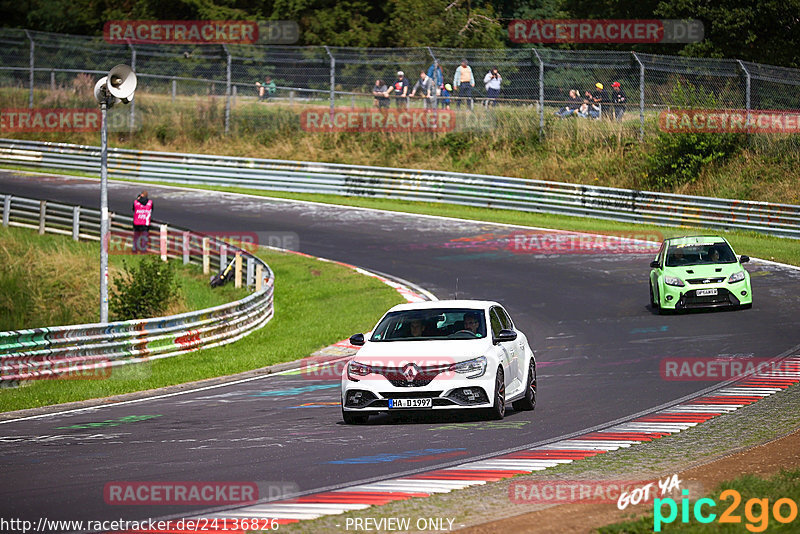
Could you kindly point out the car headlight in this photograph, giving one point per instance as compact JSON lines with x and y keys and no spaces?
{"x":673,"y":281}
{"x":472,"y":368}
{"x":355,"y":368}
{"x":736,"y":277}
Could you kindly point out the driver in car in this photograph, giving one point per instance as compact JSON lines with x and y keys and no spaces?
{"x":415,"y":327}
{"x":471,"y":322}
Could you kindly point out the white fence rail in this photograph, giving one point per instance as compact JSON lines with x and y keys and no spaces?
{"x":95,"y":349}
{"x":626,"y":205}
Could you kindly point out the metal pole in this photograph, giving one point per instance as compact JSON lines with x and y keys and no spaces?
{"x":747,"y":89}
{"x":133,"y":102}
{"x":174,"y":89}
{"x":641,"y":96}
{"x":103,"y":215}
{"x":52,"y":80}
{"x":30,"y":83}
{"x":76,"y":223}
{"x":333,"y":79}
{"x":541,"y":94}
{"x":227,"y":90}
{"x":6,"y":210}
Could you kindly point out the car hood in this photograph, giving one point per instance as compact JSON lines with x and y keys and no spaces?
{"x":426,"y":353}
{"x":704,"y":271}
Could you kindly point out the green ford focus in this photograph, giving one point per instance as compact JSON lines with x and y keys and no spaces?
{"x":698,"y":272}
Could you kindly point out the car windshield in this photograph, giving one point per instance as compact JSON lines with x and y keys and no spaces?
{"x":700,"y":254}
{"x":439,"y":324}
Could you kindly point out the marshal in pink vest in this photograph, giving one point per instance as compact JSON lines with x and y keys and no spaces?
{"x":141,"y":214}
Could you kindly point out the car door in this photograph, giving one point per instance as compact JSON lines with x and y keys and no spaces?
{"x":516,"y":347}
{"x":505,"y":351}
{"x":654,"y":273}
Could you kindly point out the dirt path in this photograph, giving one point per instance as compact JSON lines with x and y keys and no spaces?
{"x":762,"y":460}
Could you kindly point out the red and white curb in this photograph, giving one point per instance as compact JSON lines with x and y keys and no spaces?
{"x":642,"y":429}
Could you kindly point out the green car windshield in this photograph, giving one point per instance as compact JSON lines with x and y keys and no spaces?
{"x":699,"y":254}
{"x":420,"y":325}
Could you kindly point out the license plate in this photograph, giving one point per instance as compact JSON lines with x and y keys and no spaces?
{"x":410,"y":403}
{"x":706,"y":292}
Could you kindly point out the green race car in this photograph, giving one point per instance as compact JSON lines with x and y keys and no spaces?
{"x":698,"y":272}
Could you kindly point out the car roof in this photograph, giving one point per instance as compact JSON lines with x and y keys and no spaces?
{"x":438,"y":304}
{"x":696,"y":240}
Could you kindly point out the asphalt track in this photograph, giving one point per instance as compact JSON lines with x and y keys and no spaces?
{"x":598,"y":345}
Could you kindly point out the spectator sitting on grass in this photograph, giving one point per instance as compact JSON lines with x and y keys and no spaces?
{"x":583,"y":110}
{"x":267,"y":89}
{"x":381,"y":93}
{"x":572,"y":106}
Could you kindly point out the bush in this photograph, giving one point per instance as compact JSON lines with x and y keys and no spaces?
{"x":678,"y":158}
{"x":144,"y":290}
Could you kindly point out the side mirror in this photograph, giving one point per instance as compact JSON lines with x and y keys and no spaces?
{"x":654,"y":264}
{"x":505,"y":335}
{"x":744,"y":259}
{"x":357,"y":340}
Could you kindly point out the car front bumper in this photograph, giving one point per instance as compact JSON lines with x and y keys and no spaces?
{"x":372,"y":394}
{"x":686,"y":298}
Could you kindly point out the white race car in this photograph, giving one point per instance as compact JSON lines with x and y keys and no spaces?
{"x":440,"y":355}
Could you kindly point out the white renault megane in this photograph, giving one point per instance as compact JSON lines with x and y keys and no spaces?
{"x":440,"y":355}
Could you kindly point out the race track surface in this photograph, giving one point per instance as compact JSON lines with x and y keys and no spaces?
{"x":598,"y":346}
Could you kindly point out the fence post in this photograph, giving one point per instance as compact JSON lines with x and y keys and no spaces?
{"x":30,"y":82}
{"x":259,"y":277}
{"x":42,"y":215}
{"x":541,"y":94}
{"x":641,"y":96}
{"x":223,"y":256}
{"x":233,"y":97}
{"x":185,"y":248}
{"x":162,"y":241}
{"x":52,"y":80}
{"x":133,"y":102}
{"x":250,"y":268}
{"x":747,"y":89}
{"x":6,"y":210}
{"x":174,"y":88}
{"x":206,"y":257}
{"x":227,"y":90}
{"x":237,"y":280}
{"x":76,"y":223}
{"x":333,"y":78}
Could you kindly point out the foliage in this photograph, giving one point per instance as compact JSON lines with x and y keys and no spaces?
{"x":143,"y":290}
{"x":678,"y":158}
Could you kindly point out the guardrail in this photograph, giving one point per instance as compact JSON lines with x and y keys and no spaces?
{"x":94,"y":349}
{"x":626,"y":205}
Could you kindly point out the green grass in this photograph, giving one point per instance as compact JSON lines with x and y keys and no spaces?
{"x":50,"y":280}
{"x":316,"y":304}
{"x":785,"y":484}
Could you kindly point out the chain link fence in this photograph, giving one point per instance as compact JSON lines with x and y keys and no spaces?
{"x":535,"y":78}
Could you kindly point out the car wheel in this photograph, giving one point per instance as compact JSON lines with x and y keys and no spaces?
{"x":528,"y":402}
{"x":498,"y":411}
{"x":351,"y":418}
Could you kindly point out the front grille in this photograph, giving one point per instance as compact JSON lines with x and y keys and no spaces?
{"x":696,"y":281}
{"x":423,"y":376}
{"x":722,"y":298}
{"x":410,"y":394}
{"x":476,"y":395}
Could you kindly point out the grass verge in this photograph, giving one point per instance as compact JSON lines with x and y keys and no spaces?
{"x":306,"y":290}
{"x":50,"y":280}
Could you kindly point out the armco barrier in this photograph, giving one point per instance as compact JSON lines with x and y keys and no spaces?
{"x":94,"y":348}
{"x":405,"y":184}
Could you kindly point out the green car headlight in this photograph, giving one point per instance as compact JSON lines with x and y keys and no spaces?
{"x":673,"y":281}
{"x":736,"y":277}
{"x":473,"y":368}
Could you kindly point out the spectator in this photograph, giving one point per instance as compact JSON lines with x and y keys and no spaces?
{"x":583,"y":110}
{"x":464,"y":81}
{"x":427,"y":90}
{"x":142,"y":211}
{"x":381,"y":94}
{"x":400,"y":88}
{"x":446,"y":92}
{"x":598,"y":98}
{"x":492,"y":82}
{"x":267,"y":89}
{"x":618,"y":98}
{"x":435,"y":71}
{"x":572,"y":106}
